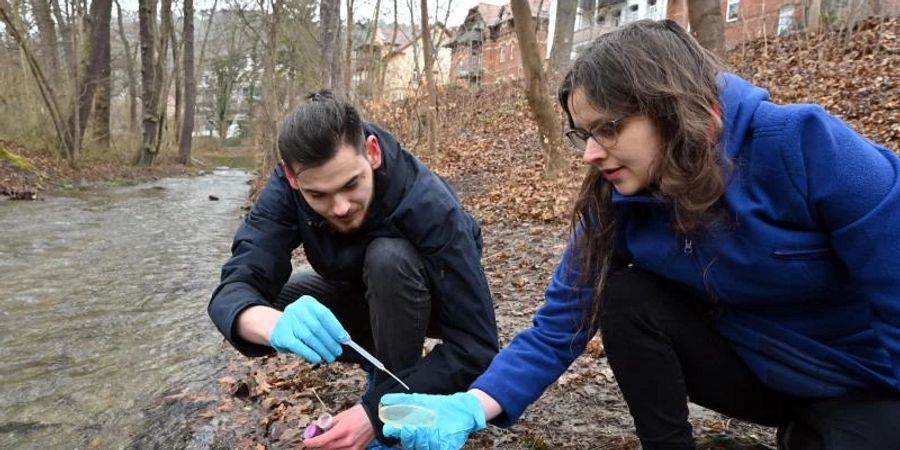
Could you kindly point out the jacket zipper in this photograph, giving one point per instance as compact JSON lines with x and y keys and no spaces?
{"x":688,"y":246}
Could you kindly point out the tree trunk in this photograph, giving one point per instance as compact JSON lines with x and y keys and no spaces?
{"x":187,"y":126}
{"x":49,"y":40}
{"x":177,"y":77}
{"x":162,"y":81}
{"x":101,"y":130}
{"x":536,"y":93}
{"x":212,"y":15}
{"x":65,"y":31}
{"x":707,"y":25}
{"x":372,"y":64}
{"x":132,"y":77}
{"x":415,"y":42}
{"x":383,"y":67}
{"x":814,"y":15}
{"x":431,"y":103}
{"x":348,"y":56}
{"x":564,"y":30}
{"x":268,"y":137}
{"x":329,"y":42}
{"x":149,"y":122}
{"x":101,"y":12}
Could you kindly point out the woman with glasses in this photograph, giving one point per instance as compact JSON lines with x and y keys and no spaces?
{"x":734,"y":253}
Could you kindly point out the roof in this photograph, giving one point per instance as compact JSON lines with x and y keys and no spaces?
{"x":492,"y":15}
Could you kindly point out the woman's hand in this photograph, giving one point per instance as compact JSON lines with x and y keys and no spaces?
{"x":458,"y":415}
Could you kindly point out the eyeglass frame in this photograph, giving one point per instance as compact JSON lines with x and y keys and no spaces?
{"x":583,"y":135}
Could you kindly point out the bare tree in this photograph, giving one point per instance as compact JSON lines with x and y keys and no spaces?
{"x":178,"y":79}
{"x":431,"y":104}
{"x":64,"y":28}
{"x":161,"y":81}
{"x":329,"y":41}
{"x":101,"y":12}
{"x":371,"y":66}
{"x":49,"y":40}
{"x":564,"y":29}
{"x":348,"y":56}
{"x":101,"y":129}
{"x":271,"y":113}
{"x":383,"y":67}
{"x":187,"y":126}
{"x":707,"y":25}
{"x":813,"y":16}
{"x":149,"y":98}
{"x":209,"y":25}
{"x":415,"y":42}
{"x":130,"y":73}
{"x":46,"y":89}
{"x":224,"y":77}
{"x":536,"y":93}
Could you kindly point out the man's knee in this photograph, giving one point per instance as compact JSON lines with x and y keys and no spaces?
{"x":390,"y":259}
{"x":299,"y":284}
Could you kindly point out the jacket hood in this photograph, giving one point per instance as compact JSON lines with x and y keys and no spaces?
{"x":739,"y":100}
{"x":392,"y":178}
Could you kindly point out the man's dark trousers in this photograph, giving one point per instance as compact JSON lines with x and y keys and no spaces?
{"x":388,"y":313}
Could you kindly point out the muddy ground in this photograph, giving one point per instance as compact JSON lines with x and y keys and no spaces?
{"x":266,"y":402}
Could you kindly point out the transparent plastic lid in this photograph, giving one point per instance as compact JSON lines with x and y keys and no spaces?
{"x":406,"y":415}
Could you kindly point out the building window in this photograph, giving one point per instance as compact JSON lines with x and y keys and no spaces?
{"x":631,"y":13}
{"x":785,"y":19}
{"x":615,"y":18}
{"x":652,"y":9}
{"x":731,"y":13}
{"x":502,"y":54}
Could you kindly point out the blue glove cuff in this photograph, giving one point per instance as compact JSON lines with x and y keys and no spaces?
{"x":473,"y":405}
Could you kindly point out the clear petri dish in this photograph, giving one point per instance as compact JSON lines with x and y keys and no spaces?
{"x":406,"y":415}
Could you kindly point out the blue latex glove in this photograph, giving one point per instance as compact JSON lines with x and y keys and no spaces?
{"x":458,"y":415}
{"x":308,"y":329}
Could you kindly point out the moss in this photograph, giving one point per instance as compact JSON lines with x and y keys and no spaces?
{"x":17,"y":160}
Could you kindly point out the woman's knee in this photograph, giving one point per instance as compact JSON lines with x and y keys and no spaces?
{"x":631,"y":294}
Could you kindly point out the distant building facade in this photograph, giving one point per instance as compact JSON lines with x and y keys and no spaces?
{"x":484,"y":49}
{"x":744,"y":19}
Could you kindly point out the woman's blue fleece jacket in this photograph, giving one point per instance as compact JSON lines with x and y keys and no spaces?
{"x":805,"y":277}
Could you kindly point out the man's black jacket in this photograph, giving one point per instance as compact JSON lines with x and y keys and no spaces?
{"x":409,"y":201}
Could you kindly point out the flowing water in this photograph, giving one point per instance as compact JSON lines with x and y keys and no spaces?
{"x":103,"y":306}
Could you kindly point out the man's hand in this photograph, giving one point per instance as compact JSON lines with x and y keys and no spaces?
{"x":310,"y":330}
{"x":351,"y":431}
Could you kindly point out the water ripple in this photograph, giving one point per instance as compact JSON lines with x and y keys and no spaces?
{"x":103,"y":305}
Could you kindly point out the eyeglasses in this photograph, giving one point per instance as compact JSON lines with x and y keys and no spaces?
{"x":605,"y":134}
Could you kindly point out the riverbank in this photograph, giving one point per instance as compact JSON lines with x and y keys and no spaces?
{"x":26,"y":173}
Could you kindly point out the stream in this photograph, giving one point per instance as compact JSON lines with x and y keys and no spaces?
{"x":103,"y":300}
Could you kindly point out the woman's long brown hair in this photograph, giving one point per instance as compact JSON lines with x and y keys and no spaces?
{"x":657,"y":70}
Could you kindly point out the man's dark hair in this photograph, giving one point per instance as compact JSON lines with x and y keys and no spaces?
{"x":312,"y":133}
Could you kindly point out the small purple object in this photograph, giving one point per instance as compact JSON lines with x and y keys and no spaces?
{"x":318,"y":426}
{"x":312,"y":430}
